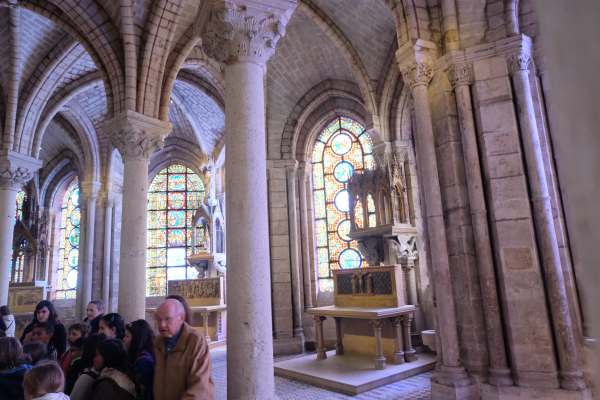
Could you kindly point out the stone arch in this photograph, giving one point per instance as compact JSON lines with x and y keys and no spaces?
{"x":181,"y":151}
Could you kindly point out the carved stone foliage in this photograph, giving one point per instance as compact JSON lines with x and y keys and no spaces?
{"x":460,"y":74}
{"x":17,"y":169}
{"x":519,"y":62}
{"x":135,"y":135}
{"x":416,"y":73}
{"x":236,"y":31}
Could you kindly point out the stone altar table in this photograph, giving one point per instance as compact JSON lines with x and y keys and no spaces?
{"x":399,"y":317}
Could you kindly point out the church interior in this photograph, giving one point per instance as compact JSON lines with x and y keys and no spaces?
{"x":351,"y":194}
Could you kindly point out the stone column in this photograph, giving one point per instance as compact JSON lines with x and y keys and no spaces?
{"x":571,"y":376}
{"x":136,"y":136}
{"x":461,"y":77}
{"x":295,"y":257}
{"x":15,"y":170}
{"x":304,"y":172}
{"x":243,"y":34}
{"x":89,"y":195}
{"x":107,"y":255}
{"x":415,"y":66}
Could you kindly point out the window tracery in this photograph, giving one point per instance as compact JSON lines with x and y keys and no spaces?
{"x":68,"y":253}
{"x":342,"y":148}
{"x":173,"y":196}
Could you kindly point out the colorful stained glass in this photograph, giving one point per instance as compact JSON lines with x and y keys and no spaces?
{"x":371,"y":211}
{"x":174,"y":195}
{"x":343,"y":171}
{"x":69,"y":243}
{"x":359,"y":216}
{"x":342,"y":149}
{"x":21,"y":196}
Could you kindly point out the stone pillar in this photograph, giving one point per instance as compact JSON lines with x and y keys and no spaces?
{"x":571,"y":376}
{"x":107,"y":255}
{"x":89,"y":195}
{"x":304,"y":172}
{"x":136,"y":136}
{"x":450,"y":378}
{"x":295,"y":257}
{"x":461,"y":77}
{"x":243,"y":34}
{"x":15,"y":170}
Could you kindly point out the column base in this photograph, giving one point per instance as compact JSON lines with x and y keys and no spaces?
{"x":445,"y":392}
{"x":490,"y":392}
{"x":572,"y":381}
{"x":288,"y":345}
{"x":500,"y":377}
{"x":410,"y":355}
{"x":380,"y":363}
{"x":398,"y":358}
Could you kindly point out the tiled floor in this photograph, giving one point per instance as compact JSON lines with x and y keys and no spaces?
{"x":415,"y":388}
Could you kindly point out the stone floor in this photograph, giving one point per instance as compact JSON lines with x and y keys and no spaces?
{"x":415,"y":388}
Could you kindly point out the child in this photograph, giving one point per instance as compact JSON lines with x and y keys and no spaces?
{"x":42,"y":332}
{"x":34,"y":352}
{"x":77,"y":333}
{"x":44,"y":382}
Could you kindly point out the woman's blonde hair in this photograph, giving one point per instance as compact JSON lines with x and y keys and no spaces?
{"x":45,"y":377}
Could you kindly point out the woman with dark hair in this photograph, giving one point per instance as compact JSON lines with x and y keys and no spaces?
{"x":186,"y":307}
{"x":84,"y":365}
{"x":115,"y":381}
{"x":112,"y":326}
{"x":45,"y":312}
{"x":12,"y":370}
{"x":7,"y":322}
{"x":139,"y":340}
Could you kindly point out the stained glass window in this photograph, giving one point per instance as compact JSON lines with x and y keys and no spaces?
{"x":21,"y":195}
{"x":68,"y":253}
{"x":173,"y":196}
{"x":342,"y":149}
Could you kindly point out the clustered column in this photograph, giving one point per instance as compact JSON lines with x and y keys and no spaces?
{"x":15,"y":170}
{"x":136,"y":136}
{"x":243,"y":35}
{"x":417,"y":73}
{"x":571,"y":375}
{"x":461,"y":77}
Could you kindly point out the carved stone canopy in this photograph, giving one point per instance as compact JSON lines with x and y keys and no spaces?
{"x":16,"y":169}
{"x":136,"y":135}
{"x":245,"y":30}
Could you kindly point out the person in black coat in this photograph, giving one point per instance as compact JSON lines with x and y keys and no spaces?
{"x":45,"y":312}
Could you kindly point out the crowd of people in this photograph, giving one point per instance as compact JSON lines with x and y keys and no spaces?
{"x":103,"y":357}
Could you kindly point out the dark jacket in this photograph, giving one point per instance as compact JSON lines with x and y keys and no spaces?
{"x":94,"y":324}
{"x":58,"y":340}
{"x":143,"y":369}
{"x":11,"y":382}
{"x":114,"y":385}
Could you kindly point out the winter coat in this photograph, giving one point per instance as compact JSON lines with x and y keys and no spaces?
{"x":53,"y":396}
{"x":10,"y":325}
{"x":68,"y":358}
{"x":11,"y":382}
{"x":143,"y":369}
{"x":82,"y":390}
{"x":184,"y":373}
{"x":114,"y":385}
{"x":58,"y":339}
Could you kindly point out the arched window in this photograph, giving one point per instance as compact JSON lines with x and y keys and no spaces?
{"x":21,"y":196}
{"x":68,"y":252}
{"x":174,"y":194}
{"x":342,"y":148}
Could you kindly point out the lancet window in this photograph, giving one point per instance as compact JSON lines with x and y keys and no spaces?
{"x":173,"y":196}
{"x":341,"y":149}
{"x":68,"y":253}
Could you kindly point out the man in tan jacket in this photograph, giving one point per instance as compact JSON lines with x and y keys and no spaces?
{"x":182,"y":370}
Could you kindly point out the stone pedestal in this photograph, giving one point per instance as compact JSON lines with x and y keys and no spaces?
{"x":136,"y":137}
{"x":15,"y":170}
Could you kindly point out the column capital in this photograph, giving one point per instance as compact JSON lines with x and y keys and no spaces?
{"x":90,"y":189}
{"x":416,"y":62}
{"x":245,"y":30}
{"x":518,"y":52}
{"x":9,"y":3}
{"x":16,"y":169}
{"x":460,"y":74}
{"x":136,"y":135}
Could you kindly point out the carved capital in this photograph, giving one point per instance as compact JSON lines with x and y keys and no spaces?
{"x":460,"y":74}
{"x":416,"y":74}
{"x":9,"y":3}
{"x":520,"y":61}
{"x":17,"y":169}
{"x":243,"y":30}
{"x":136,"y":135}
